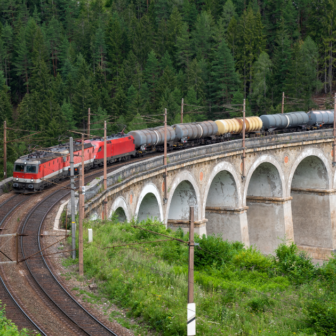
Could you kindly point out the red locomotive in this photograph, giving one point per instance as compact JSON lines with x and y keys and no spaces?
{"x":40,"y":169}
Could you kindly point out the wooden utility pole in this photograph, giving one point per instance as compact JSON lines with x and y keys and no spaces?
{"x":191,"y":313}
{"x":73,"y":214}
{"x":105,"y":171}
{"x":165,"y":157}
{"x":243,"y":157}
{"x":334,"y":145}
{"x":5,"y":150}
{"x":182,"y":103}
{"x":283,"y":102}
{"x":81,"y":213}
{"x":89,"y":121}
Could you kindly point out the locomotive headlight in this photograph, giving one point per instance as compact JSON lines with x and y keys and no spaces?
{"x":31,"y":180}
{"x":17,"y":179}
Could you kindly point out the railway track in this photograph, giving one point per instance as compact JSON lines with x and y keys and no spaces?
{"x":45,"y":283}
{"x":13,"y":309}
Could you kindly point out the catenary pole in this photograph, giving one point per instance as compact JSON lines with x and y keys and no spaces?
{"x":182,"y":103}
{"x":334,"y":146}
{"x":105,"y":171}
{"x":191,"y":313}
{"x":165,"y":157}
{"x":5,"y":149}
{"x":73,"y":214}
{"x":89,"y":121}
{"x":243,"y":157}
{"x":81,"y":213}
{"x":283,"y":102}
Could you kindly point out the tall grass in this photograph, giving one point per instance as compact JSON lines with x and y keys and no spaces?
{"x":238,"y":291}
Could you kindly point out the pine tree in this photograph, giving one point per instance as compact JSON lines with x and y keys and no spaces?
{"x":183,"y":46}
{"x":203,"y":35}
{"x":225,"y":79}
{"x":262,"y":73}
{"x":22,"y":61}
{"x":229,"y":12}
{"x":5,"y":103}
{"x":151,"y":75}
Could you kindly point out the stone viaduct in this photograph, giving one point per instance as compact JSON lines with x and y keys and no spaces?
{"x":289,"y":191}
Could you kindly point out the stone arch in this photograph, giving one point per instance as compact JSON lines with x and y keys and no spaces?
{"x":305,"y":154}
{"x":264,"y":194}
{"x":269,"y":159}
{"x":149,"y":203}
{"x":222,"y":204}
{"x":189,"y":185}
{"x":120,"y":207}
{"x":222,"y":167}
{"x":310,"y":182}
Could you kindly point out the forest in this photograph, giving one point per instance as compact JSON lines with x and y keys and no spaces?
{"x":128,"y":60}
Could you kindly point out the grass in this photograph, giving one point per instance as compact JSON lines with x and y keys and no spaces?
{"x":238,"y":291}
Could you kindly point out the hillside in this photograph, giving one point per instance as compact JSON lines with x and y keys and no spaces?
{"x":127,"y":59}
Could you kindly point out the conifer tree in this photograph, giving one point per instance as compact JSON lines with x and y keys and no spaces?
{"x":262,"y":73}
{"x":183,"y":46}
{"x":151,"y":74}
{"x":225,"y":79}
{"x":22,"y":60}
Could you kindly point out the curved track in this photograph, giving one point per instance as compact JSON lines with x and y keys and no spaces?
{"x":45,"y":284}
{"x":13,"y":309}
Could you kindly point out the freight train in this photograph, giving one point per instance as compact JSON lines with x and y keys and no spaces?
{"x":38,"y":170}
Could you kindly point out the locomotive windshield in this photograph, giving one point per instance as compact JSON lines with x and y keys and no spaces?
{"x":19,"y":168}
{"x":31,"y":169}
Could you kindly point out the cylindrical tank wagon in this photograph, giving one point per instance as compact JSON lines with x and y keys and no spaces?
{"x":152,"y":137}
{"x":320,"y":118}
{"x":284,"y":120}
{"x":235,"y":126}
{"x":192,"y":131}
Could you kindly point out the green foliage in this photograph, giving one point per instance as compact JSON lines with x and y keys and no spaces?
{"x":240,"y":288}
{"x":128,"y":59}
{"x":7,"y":327}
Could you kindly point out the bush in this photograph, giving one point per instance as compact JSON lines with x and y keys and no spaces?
{"x":259,"y":304}
{"x":294,"y":264}
{"x":7,"y":327}
{"x":321,"y":316}
{"x":214,"y":251}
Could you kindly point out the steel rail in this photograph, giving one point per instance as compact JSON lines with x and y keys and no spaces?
{"x":19,"y":309}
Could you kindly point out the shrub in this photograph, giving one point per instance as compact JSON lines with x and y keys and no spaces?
{"x":294,"y":264}
{"x":214,"y":251}
{"x":259,"y":304}
{"x":321,"y":316}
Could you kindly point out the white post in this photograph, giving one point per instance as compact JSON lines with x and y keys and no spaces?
{"x":90,"y":235}
{"x":191,"y":322}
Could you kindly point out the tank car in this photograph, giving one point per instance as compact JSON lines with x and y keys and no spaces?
{"x":288,"y":120}
{"x":152,"y":139}
{"x":235,"y":125}
{"x":196,"y":133}
{"x":320,"y":118}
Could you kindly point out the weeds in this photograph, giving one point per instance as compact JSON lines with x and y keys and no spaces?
{"x":238,"y":291}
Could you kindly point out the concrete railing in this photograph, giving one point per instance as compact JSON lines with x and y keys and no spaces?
{"x":6,"y":185}
{"x":123,"y":175}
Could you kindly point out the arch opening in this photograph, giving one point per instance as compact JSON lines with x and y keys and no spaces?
{"x":149,"y":208}
{"x":310,"y":205}
{"x":221,"y":208}
{"x":183,"y":198}
{"x":265,"y":214}
{"x":120,"y":215}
